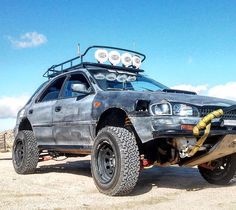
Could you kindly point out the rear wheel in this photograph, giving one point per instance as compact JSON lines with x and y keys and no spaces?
{"x":220,"y":171}
{"x":25,"y":153}
{"x":115,"y":161}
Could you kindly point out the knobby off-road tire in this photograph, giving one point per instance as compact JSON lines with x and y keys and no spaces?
{"x":25,"y":154}
{"x":223,"y":173}
{"x":115,"y":161}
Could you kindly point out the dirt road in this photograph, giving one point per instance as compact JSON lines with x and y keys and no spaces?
{"x":68,"y":185}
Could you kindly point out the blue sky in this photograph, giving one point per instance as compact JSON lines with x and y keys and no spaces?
{"x":189,"y":44}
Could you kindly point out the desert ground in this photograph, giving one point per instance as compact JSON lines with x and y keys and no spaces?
{"x":67,"y":184}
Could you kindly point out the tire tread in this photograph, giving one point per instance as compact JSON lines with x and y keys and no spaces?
{"x":130,"y":163}
{"x":31,"y":154}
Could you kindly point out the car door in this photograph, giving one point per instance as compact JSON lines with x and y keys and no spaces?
{"x":40,"y":113}
{"x":72,"y":122}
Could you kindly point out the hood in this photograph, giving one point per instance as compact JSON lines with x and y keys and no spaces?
{"x":157,"y":96}
{"x":192,"y":99}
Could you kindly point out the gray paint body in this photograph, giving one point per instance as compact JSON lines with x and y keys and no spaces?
{"x":75,"y":124}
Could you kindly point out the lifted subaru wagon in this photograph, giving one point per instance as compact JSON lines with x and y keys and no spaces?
{"x":126,"y":121}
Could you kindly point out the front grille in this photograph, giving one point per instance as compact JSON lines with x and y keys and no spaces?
{"x":227,"y":116}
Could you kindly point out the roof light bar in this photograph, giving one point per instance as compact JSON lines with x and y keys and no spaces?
{"x":102,"y":56}
{"x":127,"y":59}
{"x":115,"y":58}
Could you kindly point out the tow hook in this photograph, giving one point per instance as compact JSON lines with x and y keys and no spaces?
{"x":204,"y":124}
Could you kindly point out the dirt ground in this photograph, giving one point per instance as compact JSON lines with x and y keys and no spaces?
{"x":68,"y":185}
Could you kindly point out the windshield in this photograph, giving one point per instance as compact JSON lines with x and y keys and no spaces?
{"x":116,"y":80}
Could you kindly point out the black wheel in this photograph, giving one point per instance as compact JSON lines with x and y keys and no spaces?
{"x":25,"y":153}
{"x":221,"y":171}
{"x":115,"y":161}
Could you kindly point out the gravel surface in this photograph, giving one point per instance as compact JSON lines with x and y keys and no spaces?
{"x":68,"y":185}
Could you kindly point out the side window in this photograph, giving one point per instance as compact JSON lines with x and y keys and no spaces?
{"x":52,"y":92}
{"x":68,"y":91}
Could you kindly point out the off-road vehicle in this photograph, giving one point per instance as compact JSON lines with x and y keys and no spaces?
{"x":126,"y":121}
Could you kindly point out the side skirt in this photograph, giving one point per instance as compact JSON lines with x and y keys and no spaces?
{"x":69,"y":149}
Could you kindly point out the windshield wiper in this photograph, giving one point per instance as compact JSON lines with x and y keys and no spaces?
{"x":119,"y":88}
{"x":115,"y":89}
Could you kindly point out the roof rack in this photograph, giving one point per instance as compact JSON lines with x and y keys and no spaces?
{"x":78,"y":61}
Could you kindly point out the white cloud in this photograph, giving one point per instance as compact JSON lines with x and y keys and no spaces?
{"x":29,"y":39}
{"x":9,"y":106}
{"x":7,"y":124}
{"x":227,"y":91}
{"x":199,"y":89}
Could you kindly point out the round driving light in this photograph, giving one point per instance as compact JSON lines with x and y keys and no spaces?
{"x":100,"y":76}
{"x":131,"y":78}
{"x":136,"y":61}
{"x":126,"y":59}
{"x":111,"y":77}
{"x":114,"y":57}
{"x":122,"y":78}
{"x":101,"y":55}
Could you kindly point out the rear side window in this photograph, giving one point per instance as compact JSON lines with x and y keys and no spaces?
{"x":52,"y":92}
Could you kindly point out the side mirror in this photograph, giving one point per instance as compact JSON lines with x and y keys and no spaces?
{"x":80,"y":88}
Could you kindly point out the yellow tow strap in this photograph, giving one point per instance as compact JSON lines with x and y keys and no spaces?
{"x":204,"y":123}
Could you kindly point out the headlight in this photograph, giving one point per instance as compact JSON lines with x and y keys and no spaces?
{"x":161,"y":109}
{"x":185,"y":110}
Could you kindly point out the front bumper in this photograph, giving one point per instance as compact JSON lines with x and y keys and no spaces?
{"x":170,"y":133}
{"x":152,"y":127}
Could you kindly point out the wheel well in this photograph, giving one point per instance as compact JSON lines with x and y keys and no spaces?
{"x":25,"y":125}
{"x":111,"y":117}
{"x":118,"y":118}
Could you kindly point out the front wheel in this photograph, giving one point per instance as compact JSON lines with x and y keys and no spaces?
{"x":115,"y":161}
{"x":220,"y":171}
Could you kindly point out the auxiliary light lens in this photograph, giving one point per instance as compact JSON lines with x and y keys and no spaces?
{"x":126,"y":59}
{"x":136,"y":61}
{"x":101,"y":55}
{"x":114,"y":57}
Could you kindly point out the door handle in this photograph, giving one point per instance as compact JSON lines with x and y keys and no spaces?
{"x":31,"y":111}
{"x":57,"y":108}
